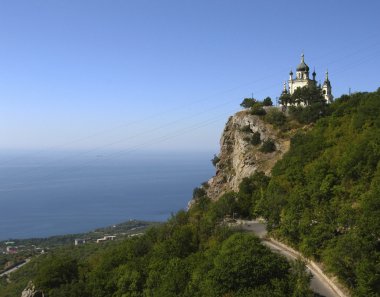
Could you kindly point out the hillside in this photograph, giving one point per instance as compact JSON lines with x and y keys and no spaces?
{"x":322,"y":196}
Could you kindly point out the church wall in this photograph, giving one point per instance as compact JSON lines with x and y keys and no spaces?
{"x":299,"y":83}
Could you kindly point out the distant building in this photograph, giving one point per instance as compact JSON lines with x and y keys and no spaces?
{"x":11,"y":250}
{"x":302,"y":80}
{"x":79,"y":241}
{"x":105,"y":238}
{"x":135,"y":234}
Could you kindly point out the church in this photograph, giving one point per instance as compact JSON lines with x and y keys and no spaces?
{"x":302,"y":79}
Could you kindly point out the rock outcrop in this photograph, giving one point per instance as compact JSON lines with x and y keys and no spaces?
{"x":30,"y":291}
{"x":239,"y":158}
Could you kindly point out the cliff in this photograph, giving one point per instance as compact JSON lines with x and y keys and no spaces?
{"x":30,"y":291}
{"x":240,"y":157}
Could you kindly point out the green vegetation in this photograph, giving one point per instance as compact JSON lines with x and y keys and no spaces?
{"x":306,"y":95}
{"x":27,"y":248}
{"x":308,"y":114}
{"x":307,"y":103}
{"x":276,"y":118}
{"x":193,"y":254}
{"x":257,"y":109}
{"x":268,"y":146}
{"x":248,"y":102}
{"x":267,"y":101}
{"x":246,"y":129}
{"x":199,"y":192}
{"x":254,"y":139}
{"x":215,"y":160}
{"x":324,"y":195}
{"x":251,"y":193}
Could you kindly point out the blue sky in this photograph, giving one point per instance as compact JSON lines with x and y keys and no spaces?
{"x":165,"y":75}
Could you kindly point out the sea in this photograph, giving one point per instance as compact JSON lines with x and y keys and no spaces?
{"x":55,"y":193}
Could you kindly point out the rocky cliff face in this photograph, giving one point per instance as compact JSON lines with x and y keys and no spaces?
{"x":240,"y":157}
{"x":30,"y":291}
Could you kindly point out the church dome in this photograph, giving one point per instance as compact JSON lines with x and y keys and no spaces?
{"x":302,"y":66}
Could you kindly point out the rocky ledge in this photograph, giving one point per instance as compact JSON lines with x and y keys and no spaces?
{"x":239,"y":157}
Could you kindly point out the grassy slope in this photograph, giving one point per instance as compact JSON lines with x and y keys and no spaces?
{"x":324,"y":195}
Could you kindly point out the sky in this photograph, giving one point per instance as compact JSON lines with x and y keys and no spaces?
{"x":123,"y":75}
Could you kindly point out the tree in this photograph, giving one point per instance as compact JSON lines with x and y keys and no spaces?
{"x":301,"y":279}
{"x":307,"y":95}
{"x":285,"y":99}
{"x":268,"y":101}
{"x":215,"y":160}
{"x":248,"y":102}
{"x":57,"y":271}
{"x":243,"y":263}
{"x":251,"y":190}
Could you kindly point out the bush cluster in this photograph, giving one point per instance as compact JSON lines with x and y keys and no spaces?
{"x":257,"y":109}
{"x":268,"y":146}
{"x":276,"y":117}
{"x":215,"y":160}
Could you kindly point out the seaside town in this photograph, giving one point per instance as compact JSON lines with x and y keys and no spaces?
{"x":15,"y":253}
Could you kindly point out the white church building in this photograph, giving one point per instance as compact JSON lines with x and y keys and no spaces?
{"x":302,"y":79}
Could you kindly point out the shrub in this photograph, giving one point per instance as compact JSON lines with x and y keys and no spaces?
{"x":205,"y":185}
{"x":256,"y":138}
{"x":257,"y":109}
{"x":268,"y":146}
{"x":308,"y":114}
{"x":198,"y":192}
{"x":276,"y":118}
{"x":246,"y":129}
{"x":215,"y":160}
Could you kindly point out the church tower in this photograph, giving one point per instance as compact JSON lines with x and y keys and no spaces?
{"x":326,"y":89}
{"x":302,"y":77}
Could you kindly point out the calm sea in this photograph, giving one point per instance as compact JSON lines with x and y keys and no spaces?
{"x":60,"y":193}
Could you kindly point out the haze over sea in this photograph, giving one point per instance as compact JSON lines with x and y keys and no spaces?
{"x":59,"y":193}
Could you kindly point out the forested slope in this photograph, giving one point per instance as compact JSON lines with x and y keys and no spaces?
{"x":324,"y":195}
{"x":191,"y":255}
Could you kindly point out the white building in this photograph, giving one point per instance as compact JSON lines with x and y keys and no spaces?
{"x":302,"y":79}
{"x":105,"y":238}
{"x":79,"y":241}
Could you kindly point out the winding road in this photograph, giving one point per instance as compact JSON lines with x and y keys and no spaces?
{"x":13,"y":269}
{"x":320,"y":283}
